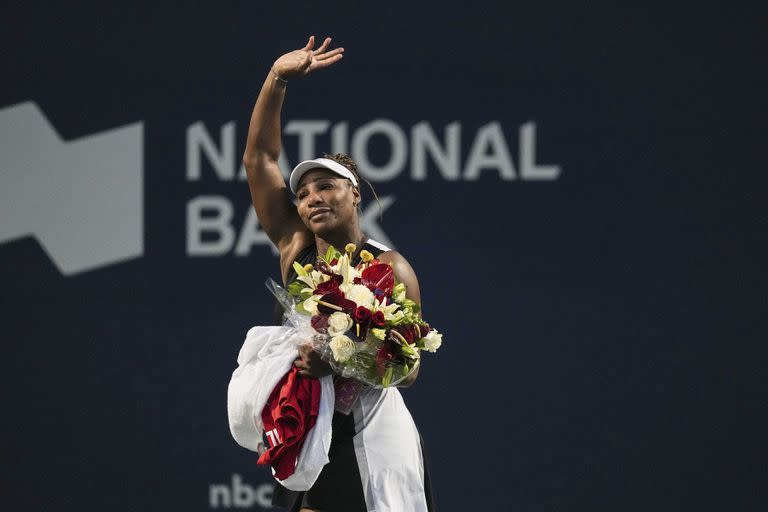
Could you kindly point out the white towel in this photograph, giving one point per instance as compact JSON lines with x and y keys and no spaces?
{"x":265,"y":357}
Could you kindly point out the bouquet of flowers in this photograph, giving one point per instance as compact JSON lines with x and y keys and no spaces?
{"x":361,"y":322}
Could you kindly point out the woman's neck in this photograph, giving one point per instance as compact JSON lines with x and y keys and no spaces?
{"x":339,"y":240}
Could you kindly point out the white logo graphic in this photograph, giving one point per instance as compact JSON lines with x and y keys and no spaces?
{"x":212,"y":221}
{"x":82,"y":199}
{"x":240,"y":495}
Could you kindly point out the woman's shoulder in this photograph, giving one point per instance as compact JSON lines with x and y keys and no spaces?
{"x":384,"y":254}
{"x":375,"y":247}
{"x":404,"y":272}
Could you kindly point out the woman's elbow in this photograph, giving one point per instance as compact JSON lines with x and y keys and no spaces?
{"x":255,"y":160}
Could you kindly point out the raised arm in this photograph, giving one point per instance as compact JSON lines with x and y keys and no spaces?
{"x":274,"y":208}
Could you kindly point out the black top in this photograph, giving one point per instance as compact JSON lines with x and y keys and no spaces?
{"x":335,"y":488}
{"x":339,"y":487}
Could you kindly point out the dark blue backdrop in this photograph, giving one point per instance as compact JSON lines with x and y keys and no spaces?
{"x":603,"y":330}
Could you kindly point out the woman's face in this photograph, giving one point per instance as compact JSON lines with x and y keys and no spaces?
{"x":326,"y":201}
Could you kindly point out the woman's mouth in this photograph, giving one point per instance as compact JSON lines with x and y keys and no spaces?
{"x":319,"y":211}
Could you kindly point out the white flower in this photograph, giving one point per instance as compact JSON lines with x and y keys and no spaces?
{"x":341,"y":265}
{"x":342,"y":347}
{"x":312,"y":279}
{"x":344,"y":269}
{"x":307,"y":280}
{"x":388,"y":310}
{"x":310,"y":305}
{"x":339,"y":323}
{"x":432,"y":341}
{"x":360,"y":295}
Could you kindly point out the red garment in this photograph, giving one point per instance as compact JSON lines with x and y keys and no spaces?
{"x":288,"y":416}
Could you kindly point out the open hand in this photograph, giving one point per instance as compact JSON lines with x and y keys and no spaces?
{"x":306,"y":60}
{"x":310,"y":364}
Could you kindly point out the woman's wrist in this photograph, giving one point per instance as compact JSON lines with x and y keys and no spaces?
{"x":277,"y":76}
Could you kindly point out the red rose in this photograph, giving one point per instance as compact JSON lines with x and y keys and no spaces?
{"x":380,"y":277}
{"x":336,"y":298}
{"x":362,"y":315}
{"x":320,"y":323}
{"x":378,"y":319}
{"x":330,"y":285}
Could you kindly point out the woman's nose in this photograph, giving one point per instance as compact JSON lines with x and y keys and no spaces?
{"x":314,"y":197}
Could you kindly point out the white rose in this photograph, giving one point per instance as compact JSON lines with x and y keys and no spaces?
{"x":432,"y":341}
{"x":342,"y":347}
{"x":339,"y":323}
{"x":310,"y":306}
{"x":360,"y":295}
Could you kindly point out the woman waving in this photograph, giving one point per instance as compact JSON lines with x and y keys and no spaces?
{"x":376,"y":460}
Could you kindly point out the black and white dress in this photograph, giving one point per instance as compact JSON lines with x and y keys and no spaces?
{"x":376,"y":456}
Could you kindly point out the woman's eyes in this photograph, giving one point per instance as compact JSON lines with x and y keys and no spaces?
{"x":322,"y":186}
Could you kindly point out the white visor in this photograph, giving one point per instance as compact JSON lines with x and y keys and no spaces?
{"x":322,"y":163}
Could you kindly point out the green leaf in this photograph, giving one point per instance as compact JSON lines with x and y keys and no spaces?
{"x":398,"y":318}
{"x":398,"y":293}
{"x":412,"y":306}
{"x":408,"y":351}
{"x":330,"y":254}
{"x":295,"y":288}
{"x":387,"y":379}
{"x":299,"y":269}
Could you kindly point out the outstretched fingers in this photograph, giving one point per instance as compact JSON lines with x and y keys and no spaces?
{"x":332,"y":53}
{"x":317,"y":59}
{"x":323,"y":46}
{"x":327,"y":61}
